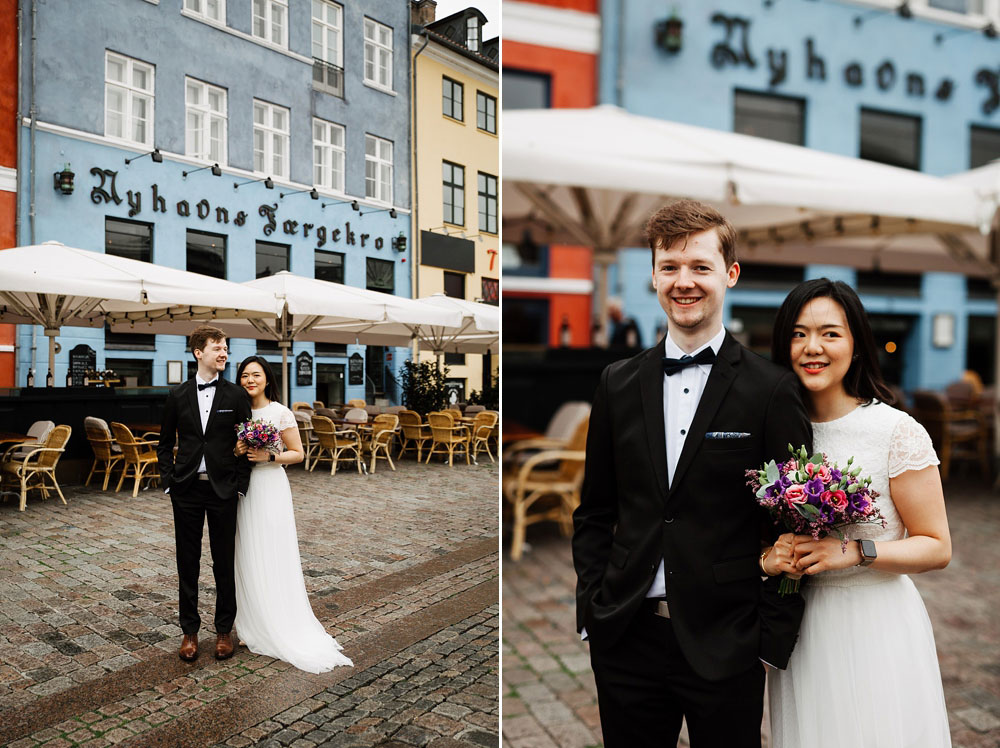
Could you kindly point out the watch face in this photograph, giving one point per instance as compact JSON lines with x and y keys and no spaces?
{"x":868,"y":549}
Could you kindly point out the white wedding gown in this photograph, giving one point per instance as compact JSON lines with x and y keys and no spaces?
{"x":864,"y":672}
{"x":273,"y":615}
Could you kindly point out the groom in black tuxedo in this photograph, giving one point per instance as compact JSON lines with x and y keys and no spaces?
{"x":203,"y":480}
{"x":668,"y":536}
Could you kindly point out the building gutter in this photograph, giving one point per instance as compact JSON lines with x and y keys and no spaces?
{"x":415,"y":223}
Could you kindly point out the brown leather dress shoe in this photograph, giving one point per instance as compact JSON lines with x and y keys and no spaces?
{"x":189,"y":648}
{"x":224,"y":646}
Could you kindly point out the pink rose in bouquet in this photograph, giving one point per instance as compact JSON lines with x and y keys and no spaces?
{"x":260,"y":434}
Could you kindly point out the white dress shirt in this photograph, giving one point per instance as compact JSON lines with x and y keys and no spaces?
{"x":681,"y":395}
{"x":205,"y":399}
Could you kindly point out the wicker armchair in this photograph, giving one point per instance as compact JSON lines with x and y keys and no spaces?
{"x":334,"y":444}
{"x":482,"y":432}
{"x":356,"y":403}
{"x":415,"y":433}
{"x":318,"y":404}
{"x":107,"y":454}
{"x":384,"y":429}
{"x":956,"y":434}
{"x":446,"y":435}
{"x":303,"y":419}
{"x":140,"y":458}
{"x":301,"y":405}
{"x":37,"y":468}
{"x":39,"y":431}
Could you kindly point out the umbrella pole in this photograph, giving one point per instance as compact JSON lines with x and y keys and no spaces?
{"x":284,"y":345}
{"x":51,"y":332}
{"x":603,"y":259}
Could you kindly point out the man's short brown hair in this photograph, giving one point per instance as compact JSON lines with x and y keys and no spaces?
{"x":202,"y":334}
{"x":677,"y":221}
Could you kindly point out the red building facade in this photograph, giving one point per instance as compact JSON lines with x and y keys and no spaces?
{"x":8,"y":163}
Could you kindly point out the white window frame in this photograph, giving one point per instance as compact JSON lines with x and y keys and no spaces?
{"x":453,"y":193}
{"x":922,"y":9}
{"x":472,"y":34}
{"x":486,"y":114}
{"x":381,"y":161}
{"x":131,"y":94}
{"x":271,"y":135}
{"x":329,"y":159}
{"x":199,"y":8}
{"x":325,"y":26}
{"x":484,"y":200}
{"x":380,"y":53}
{"x":279,"y":39}
{"x":203,"y":111}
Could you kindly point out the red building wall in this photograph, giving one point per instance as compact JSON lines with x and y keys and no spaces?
{"x":8,"y":158}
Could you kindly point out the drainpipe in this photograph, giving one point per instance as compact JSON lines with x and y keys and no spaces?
{"x":415,"y":223}
{"x":33,"y":115}
{"x":620,"y":57}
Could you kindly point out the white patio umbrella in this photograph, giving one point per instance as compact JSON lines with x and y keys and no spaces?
{"x":53,"y":285}
{"x":480,"y":331}
{"x":592,"y":177}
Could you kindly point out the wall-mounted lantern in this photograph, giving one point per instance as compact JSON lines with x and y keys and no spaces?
{"x":399,"y":242}
{"x":63,"y":181}
{"x":669,"y":34}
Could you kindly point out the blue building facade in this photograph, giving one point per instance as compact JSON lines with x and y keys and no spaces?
{"x":230,"y":137}
{"x":914,"y":84}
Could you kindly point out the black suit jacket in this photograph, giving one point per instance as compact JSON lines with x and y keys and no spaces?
{"x":230,"y":406}
{"x":706,"y":526}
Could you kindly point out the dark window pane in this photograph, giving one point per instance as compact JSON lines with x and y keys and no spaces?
{"x":330,"y":266}
{"x":525,"y":321}
{"x":766,"y":116}
{"x":890,"y":138}
{"x":454,"y":285}
{"x":491,"y":291}
{"x":129,"y":239}
{"x":453,"y":192}
{"x":487,"y":194}
{"x":381,"y":275}
{"x":984,"y":145}
{"x":206,"y":254}
{"x":526,"y":90}
{"x":771,"y":277}
{"x":271,"y":258}
{"x":452,"y":98}
{"x":896,"y":284}
{"x":454,"y":359}
{"x":980,"y":288}
{"x":140,"y":368}
{"x":486,"y":112}
{"x":331,"y":349}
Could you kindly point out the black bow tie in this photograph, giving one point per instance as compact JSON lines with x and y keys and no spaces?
{"x":674,"y":365}
{"x":213,"y":383}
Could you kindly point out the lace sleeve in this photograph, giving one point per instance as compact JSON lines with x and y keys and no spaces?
{"x":286,"y":420}
{"x":910,"y":448}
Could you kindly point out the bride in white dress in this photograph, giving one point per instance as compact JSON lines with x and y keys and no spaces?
{"x":273,"y":615}
{"x":864,"y":672}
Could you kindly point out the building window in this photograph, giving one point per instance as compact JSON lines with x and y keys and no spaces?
{"x":454,"y":285}
{"x":454,"y":359}
{"x":965,"y":7}
{"x":270,"y":21}
{"x":890,"y":138}
{"x":523,"y":89}
{"x":213,"y":10}
{"x":780,"y":118}
{"x":378,"y":169}
{"x":271,"y":258}
{"x":129,"y":239}
{"x":328,"y":46}
{"x":207,"y":110}
{"x":328,"y":155}
{"x":453,"y":197}
{"x":472,"y":34}
{"x":270,"y":139}
{"x":378,"y":54}
{"x":889,"y":284}
{"x":128,"y":99}
{"x":206,"y":253}
{"x":330,"y":266}
{"x":380,"y":275}
{"x":491,"y":291}
{"x":486,"y":112}
{"x":452,"y":98}
{"x":133,"y":372}
{"x":984,"y":145}
{"x":487,"y":203}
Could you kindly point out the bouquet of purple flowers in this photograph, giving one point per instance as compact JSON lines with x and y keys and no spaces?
{"x":260,"y":435}
{"x":811,"y":496}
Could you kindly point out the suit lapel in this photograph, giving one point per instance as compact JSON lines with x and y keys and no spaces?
{"x":192,"y":398}
{"x":217,"y":402}
{"x":651,"y":390}
{"x":719,"y":380}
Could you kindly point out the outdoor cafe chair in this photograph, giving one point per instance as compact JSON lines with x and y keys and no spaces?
{"x":455,"y":412}
{"x":384,"y":429}
{"x":558,"y":431}
{"x":303,"y":420}
{"x":356,"y":403}
{"x":356,"y":416}
{"x":956,"y":434}
{"x":395,"y":409}
{"x":471,"y":410}
{"x":546,"y":487}
{"x":37,"y":469}
{"x":446,"y":435}
{"x":300,"y":405}
{"x":373,"y":410}
{"x":482,"y":432}
{"x":318,"y":404}
{"x":39,"y":431}
{"x":327,"y":412}
{"x":415,"y":433}
{"x":107,"y":454}
{"x":334,"y":444}
{"x":140,"y":458}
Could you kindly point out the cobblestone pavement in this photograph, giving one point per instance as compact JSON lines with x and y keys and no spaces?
{"x":400,"y":566}
{"x":548,"y":692}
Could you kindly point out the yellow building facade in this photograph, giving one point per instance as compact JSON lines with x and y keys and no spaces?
{"x":456,"y":178}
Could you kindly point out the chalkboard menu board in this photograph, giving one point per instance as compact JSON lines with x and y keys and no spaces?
{"x":304,"y":369}
{"x":356,"y":369}
{"x":82,"y":359}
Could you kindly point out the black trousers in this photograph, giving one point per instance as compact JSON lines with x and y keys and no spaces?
{"x":645,"y":687}
{"x":191,"y":508}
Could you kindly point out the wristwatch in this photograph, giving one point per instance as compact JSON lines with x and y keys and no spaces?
{"x":270,"y":458}
{"x":868,"y":552}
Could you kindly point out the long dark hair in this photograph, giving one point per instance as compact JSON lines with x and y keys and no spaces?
{"x":864,"y":376}
{"x":270,"y":388}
